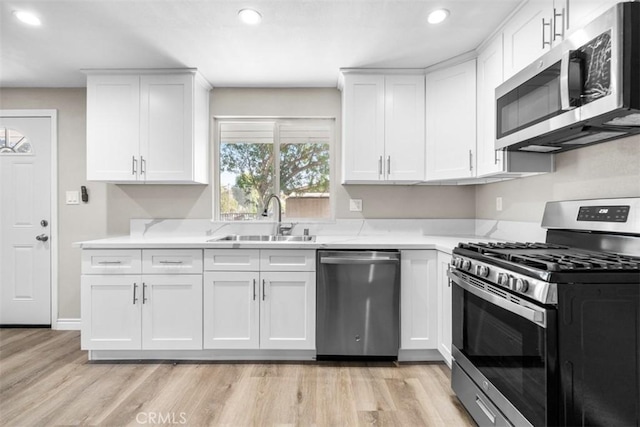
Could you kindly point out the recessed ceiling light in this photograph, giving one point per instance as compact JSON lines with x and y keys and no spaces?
{"x":250,"y":16}
{"x":437,"y":16}
{"x":27,"y":17}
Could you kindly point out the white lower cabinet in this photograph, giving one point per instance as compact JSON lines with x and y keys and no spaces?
{"x":444,"y":307}
{"x":231,"y":310}
{"x":418,"y":300}
{"x":251,"y":307}
{"x":138,"y":311}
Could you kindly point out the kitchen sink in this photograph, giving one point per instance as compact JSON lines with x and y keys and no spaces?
{"x":262,"y":238}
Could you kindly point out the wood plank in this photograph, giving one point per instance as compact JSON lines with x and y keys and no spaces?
{"x":46,"y":380}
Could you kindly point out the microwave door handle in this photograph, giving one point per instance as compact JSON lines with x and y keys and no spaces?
{"x":537,"y":317}
{"x":570,"y":80}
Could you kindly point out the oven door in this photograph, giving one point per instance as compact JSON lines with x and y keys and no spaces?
{"x":508,"y":347}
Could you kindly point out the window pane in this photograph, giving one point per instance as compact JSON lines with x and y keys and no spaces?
{"x":246,"y":179}
{"x":304,"y":180}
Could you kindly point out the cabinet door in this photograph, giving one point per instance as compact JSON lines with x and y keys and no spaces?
{"x":113,"y":130}
{"x":580,"y":12}
{"x":231,"y":310}
{"x":172,"y":312}
{"x":419,"y":300}
{"x":490,"y":71}
{"x":525,"y":36}
{"x":111,"y":306}
{"x":166,"y":136}
{"x":288,"y":311}
{"x":404,"y":128}
{"x":451,"y":122}
{"x":363,"y":128}
{"x":444,"y":307}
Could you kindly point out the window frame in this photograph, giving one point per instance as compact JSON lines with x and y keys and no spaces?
{"x":277,"y":123}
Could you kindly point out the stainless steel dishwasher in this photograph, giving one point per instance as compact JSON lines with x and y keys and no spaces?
{"x":358,"y":304}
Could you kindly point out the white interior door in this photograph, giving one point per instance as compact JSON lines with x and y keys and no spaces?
{"x":25,"y":220}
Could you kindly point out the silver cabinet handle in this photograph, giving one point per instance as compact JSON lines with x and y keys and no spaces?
{"x":388,"y":165}
{"x":170,"y":262}
{"x":263,"y":291}
{"x":380,"y":166}
{"x":546,"y":24}
{"x":486,"y":410}
{"x":134,"y":165}
{"x":144,"y":292}
{"x":495,"y":157}
{"x":254,"y":289}
{"x":109,"y":262}
{"x":555,"y":24}
{"x":143,"y":166}
{"x":42,"y":237}
{"x":470,"y":160}
{"x":135,"y":287}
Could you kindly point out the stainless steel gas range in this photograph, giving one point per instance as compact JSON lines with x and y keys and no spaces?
{"x":549,"y":333}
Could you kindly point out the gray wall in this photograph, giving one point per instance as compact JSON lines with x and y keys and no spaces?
{"x":610,"y":169}
{"x":111,"y":206}
{"x":607,"y":170}
{"x":379,"y":201}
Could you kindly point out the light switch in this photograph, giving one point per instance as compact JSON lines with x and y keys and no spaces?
{"x":355,"y":205}
{"x":73,"y":198}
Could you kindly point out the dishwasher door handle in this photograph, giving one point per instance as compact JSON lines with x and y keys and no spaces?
{"x":340,"y":260}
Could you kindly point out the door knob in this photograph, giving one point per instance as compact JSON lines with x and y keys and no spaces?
{"x":44,"y":223}
{"x":42,"y":237}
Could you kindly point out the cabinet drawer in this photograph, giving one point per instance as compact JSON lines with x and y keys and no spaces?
{"x":111,"y":261}
{"x":172,"y":261}
{"x":232,"y":259}
{"x":287,"y":260}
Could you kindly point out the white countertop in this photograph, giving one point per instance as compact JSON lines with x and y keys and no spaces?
{"x":387,"y":241}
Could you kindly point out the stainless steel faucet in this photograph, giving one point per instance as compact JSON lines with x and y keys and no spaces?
{"x":280,"y":229}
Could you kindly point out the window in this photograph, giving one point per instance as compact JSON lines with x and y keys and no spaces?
{"x":288,"y":158}
{"x":13,"y":142}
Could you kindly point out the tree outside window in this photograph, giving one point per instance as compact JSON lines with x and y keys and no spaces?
{"x":292,"y":161}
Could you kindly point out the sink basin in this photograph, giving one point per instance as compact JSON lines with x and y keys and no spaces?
{"x":262,"y":238}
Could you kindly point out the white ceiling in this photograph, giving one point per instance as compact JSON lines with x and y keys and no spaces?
{"x":300,"y":43}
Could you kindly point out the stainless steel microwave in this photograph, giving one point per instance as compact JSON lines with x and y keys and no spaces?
{"x":584,"y":91}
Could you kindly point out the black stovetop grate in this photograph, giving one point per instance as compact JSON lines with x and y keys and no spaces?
{"x":551,"y":257}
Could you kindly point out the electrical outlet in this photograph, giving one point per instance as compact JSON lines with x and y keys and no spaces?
{"x":355,"y":205}
{"x":73,"y":198}
{"x":499,"y":204}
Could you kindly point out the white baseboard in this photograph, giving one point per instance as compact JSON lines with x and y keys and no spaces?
{"x":68,"y":325}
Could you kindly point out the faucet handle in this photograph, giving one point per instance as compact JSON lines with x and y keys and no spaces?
{"x":286,"y":229}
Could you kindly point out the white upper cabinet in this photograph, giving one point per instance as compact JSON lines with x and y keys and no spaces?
{"x":113,"y":127}
{"x":527,"y":35}
{"x":488,"y":160}
{"x":581,"y":12}
{"x":404,"y":128}
{"x":451,"y":122}
{"x":383,"y":128}
{"x":542,"y":24}
{"x":150,"y":127}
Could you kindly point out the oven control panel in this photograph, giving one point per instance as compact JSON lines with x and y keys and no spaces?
{"x":603,"y":213}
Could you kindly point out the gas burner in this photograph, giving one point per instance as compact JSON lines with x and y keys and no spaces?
{"x":547,"y":257}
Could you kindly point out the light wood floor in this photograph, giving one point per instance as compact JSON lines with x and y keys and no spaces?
{"x":45,"y":379}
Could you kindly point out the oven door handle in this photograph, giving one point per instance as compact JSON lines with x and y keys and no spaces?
{"x":535,"y":316}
